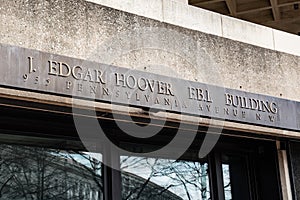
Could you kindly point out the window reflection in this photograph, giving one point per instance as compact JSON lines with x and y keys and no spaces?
{"x":226,"y":181}
{"x":150,"y":178}
{"x":39,"y":173}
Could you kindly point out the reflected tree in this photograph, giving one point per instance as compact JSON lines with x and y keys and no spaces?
{"x":149,"y":178}
{"x":35,"y":173}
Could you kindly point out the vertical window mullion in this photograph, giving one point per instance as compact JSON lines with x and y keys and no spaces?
{"x":216,"y":176}
{"x":111,"y":175}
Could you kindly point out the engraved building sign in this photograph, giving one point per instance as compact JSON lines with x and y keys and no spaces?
{"x":39,"y":71}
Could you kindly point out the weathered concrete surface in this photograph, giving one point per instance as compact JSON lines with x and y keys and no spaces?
{"x":85,"y":30}
{"x":181,"y":14}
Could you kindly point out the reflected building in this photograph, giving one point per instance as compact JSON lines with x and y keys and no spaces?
{"x":40,"y":173}
{"x":136,"y":187}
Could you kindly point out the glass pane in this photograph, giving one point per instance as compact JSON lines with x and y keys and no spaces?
{"x":39,"y":173}
{"x":163,"y":179}
{"x":226,"y":181}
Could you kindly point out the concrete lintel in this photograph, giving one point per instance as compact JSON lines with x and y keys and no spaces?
{"x":247,"y":32}
{"x":286,"y":42}
{"x":191,"y":17}
{"x":150,"y":9}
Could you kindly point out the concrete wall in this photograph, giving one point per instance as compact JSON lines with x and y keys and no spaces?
{"x":89,"y":31}
{"x":179,"y":13}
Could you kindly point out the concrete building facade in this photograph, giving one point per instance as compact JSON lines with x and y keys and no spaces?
{"x":230,"y":85}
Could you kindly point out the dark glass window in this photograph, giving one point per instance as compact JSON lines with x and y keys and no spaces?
{"x":41,"y":173}
{"x":163,"y":179}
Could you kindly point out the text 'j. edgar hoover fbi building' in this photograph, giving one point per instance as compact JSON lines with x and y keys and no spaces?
{"x":149,"y":100}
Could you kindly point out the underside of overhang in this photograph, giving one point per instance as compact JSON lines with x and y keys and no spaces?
{"x":279,"y":14}
{"x":64,"y":106}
